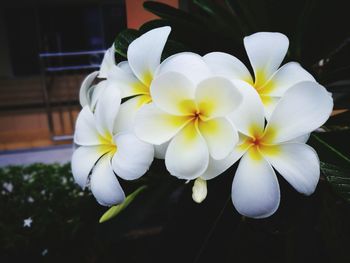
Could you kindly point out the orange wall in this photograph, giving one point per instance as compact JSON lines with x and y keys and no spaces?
{"x":136,"y":15}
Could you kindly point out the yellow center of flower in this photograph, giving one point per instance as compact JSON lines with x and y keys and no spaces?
{"x":107,"y":144}
{"x":260,"y":143}
{"x":263,"y":86}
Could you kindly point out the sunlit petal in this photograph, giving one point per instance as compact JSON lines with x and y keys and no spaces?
{"x":104,"y":184}
{"x":155,"y":126}
{"x":226,"y":65}
{"x":303,"y":109}
{"x":173,"y":93}
{"x":255,"y":189}
{"x":284,"y":78}
{"x":84,"y":93}
{"x":83,"y":160}
{"x":221,"y":136}
{"x":144,"y":53}
{"x":107,"y":110}
{"x":187,"y":155}
{"x":108,"y":62}
{"x":249,"y":117}
{"x":266,"y":52}
{"x":299,"y":164}
{"x":217,"y":97}
{"x":85,"y":129}
{"x":188,"y":64}
{"x":133,"y":156}
{"x":127,"y":82}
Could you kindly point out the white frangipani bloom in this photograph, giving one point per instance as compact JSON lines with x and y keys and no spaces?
{"x":266,"y":52}
{"x":279,"y":144}
{"x":190,"y":110}
{"x":106,"y":151}
{"x":27,"y":222}
{"x":134,"y":77}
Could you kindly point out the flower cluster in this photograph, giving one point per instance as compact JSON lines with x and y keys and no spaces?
{"x":201,"y":114}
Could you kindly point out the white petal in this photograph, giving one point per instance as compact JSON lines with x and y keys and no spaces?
{"x":299,"y":164}
{"x":133,"y":157}
{"x":145,"y":52}
{"x":188,"y":64}
{"x":85,"y":128}
{"x":126,"y":81}
{"x":250,"y":113}
{"x":284,"y":78}
{"x":126,"y":116}
{"x":217,"y":167}
{"x":226,"y":65}
{"x":220,"y":135}
{"x":199,"y":190}
{"x":83,"y":160}
{"x":217,"y":97}
{"x":301,"y":139}
{"x":303,"y":108}
{"x":107,"y":110}
{"x":270,"y":104}
{"x":255,"y":189}
{"x":160,"y":150}
{"x":187,"y":156}
{"x":124,"y":65}
{"x":104,"y":184}
{"x":84,"y":93}
{"x":266,"y":52}
{"x":96,"y":93}
{"x":173,"y":93}
{"x":107,"y":63}
{"x":155,"y":126}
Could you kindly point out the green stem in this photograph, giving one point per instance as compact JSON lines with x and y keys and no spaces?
{"x":331,"y":148}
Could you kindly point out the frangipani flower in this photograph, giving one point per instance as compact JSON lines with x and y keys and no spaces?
{"x":280,"y":144}
{"x":191,"y":114}
{"x":134,"y":77}
{"x":105,"y":151}
{"x":266,"y":52}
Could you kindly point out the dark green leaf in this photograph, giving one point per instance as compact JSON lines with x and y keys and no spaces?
{"x":115,"y":210}
{"x":123,"y":41}
{"x":339,"y":178}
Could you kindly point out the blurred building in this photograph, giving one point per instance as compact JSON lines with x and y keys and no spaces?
{"x":46,"y":49}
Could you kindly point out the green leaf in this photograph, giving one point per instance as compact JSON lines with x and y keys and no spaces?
{"x":123,"y":40}
{"x":331,"y":149}
{"x":115,"y":210}
{"x":339,"y":178}
{"x":221,"y":17}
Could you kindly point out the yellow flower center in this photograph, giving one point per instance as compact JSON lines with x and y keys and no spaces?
{"x":107,"y":144}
